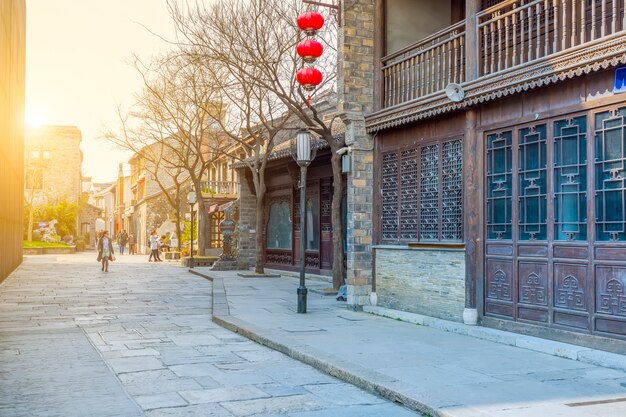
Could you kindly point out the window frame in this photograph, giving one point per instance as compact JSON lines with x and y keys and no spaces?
{"x":398,"y":197}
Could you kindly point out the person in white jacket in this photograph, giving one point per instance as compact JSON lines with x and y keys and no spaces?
{"x":154,"y":247}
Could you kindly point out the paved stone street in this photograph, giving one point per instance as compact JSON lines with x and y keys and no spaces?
{"x":139,"y":341}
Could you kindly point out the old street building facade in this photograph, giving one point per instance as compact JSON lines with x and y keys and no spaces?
{"x":53,"y":164}
{"x":500,"y":164}
{"x":12,"y":81}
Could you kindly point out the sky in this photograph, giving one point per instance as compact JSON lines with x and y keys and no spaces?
{"x":78,"y":67}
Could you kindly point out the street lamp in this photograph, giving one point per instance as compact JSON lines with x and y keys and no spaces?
{"x":191,"y":199}
{"x":303,"y":153}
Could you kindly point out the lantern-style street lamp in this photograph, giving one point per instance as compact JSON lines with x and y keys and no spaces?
{"x":191,"y":199}
{"x":303,"y":153}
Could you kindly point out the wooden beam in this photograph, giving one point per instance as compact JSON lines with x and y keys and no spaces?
{"x":472,"y":154}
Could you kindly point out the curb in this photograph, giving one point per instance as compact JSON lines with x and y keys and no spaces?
{"x":536,"y":344}
{"x":382,"y":385}
{"x":219,"y":300}
{"x":371,"y":381}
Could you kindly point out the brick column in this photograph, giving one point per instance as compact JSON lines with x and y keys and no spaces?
{"x":247,"y":222}
{"x":356,"y":97}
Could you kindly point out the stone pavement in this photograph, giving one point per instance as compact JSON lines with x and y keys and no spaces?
{"x":428,"y":369}
{"x":139,"y":341}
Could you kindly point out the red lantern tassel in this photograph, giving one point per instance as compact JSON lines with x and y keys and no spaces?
{"x":308,"y":101}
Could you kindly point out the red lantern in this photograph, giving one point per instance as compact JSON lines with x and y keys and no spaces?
{"x":309,"y":78}
{"x":310,"y":22}
{"x":310,"y":50}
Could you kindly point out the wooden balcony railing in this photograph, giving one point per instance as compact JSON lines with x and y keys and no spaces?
{"x":424,"y":67}
{"x":518,"y":32}
{"x":510,"y":34}
{"x":219,"y":187}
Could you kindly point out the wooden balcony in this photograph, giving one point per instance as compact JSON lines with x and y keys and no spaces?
{"x":507,"y":48}
{"x":219,"y":190}
{"x":425,"y":67}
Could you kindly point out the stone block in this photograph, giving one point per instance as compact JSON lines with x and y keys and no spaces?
{"x":429,"y":282}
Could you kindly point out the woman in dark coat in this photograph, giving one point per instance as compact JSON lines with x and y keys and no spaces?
{"x":105,"y":250}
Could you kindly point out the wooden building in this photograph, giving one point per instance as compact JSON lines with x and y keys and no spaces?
{"x":281,"y":231}
{"x":500,"y":164}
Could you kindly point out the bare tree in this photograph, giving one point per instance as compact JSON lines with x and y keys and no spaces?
{"x":253,"y":119}
{"x":175,"y":110}
{"x":256,"y":39}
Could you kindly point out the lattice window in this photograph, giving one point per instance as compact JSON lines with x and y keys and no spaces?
{"x":532,"y":183}
{"x":570,"y":179}
{"x":422,"y":195}
{"x":452,"y":191}
{"x":499,"y":185}
{"x":389,"y":196}
{"x":429,"y":192}
{"x":409,"y":215}
{"x":610,"y":175}
{"x":214,"y":229}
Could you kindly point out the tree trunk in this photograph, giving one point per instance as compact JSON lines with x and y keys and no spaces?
{"x":178,"y":232}
{"x":338,"y":278}
{"x":259,"y":261}
{"x":202,"y":219}
{"x":31,"y":216}
{"x":202,"y":227}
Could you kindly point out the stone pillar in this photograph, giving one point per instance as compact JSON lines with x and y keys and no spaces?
{"x":247,"y":221}
{"x":356,"y":98}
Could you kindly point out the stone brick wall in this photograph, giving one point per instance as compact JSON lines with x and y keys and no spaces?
{"x":12,"y":81}
{"x":423,"y":281}
{"x":246,"y":227}
{"x":56,"y":151}
{"x":356,"y":98}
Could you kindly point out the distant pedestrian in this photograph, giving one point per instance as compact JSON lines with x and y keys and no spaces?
{"x":132,"y":244}
{"x":154,"y":247}
{"x":105,"y":251}
{"x":122,"y":240}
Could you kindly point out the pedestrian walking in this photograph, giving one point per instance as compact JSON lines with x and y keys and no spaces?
{"x":122,"y":240}
{"x":154,"y":247}
{"x":105,"y":251}
{"x":132,"y":244}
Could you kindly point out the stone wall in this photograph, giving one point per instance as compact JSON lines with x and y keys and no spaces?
{"x":55,"y":151}
{"x":423,"y":281}
{"x":356,"y":98}
{"x":12,"y":81}
{"x":246,"y":227}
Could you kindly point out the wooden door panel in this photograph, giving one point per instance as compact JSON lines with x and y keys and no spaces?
{"x":571,"y":252}
{"x":500,"y":280}
{"x":610,"y":291}
{"x":533,"y":283}
{"x":502,"y":250}
{"x":532,"y":314}
{"x":532,"y":250}
{"x":570,"y":286}
{"x":572,"y":320}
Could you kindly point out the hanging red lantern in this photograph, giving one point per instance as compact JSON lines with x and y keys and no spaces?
{"x":309,"y":50}
{"x":310,"y":22}
{"x":309,"y":78}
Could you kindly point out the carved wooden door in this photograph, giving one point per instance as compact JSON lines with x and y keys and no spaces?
{"x":556,"y":223}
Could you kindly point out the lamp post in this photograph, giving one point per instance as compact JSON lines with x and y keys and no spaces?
{"x":191,"y":199}
{"x":303,"y":154}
